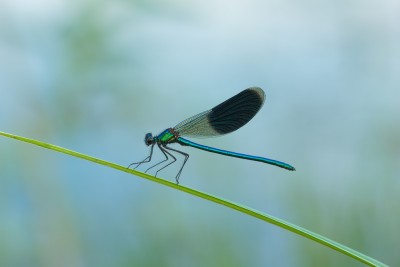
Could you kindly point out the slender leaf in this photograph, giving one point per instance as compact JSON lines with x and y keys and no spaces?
{"x":252,"y":212}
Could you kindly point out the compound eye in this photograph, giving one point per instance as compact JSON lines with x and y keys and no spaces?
{"x":148,"y":139}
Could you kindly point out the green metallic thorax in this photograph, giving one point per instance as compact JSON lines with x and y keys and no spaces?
{"x":167,"y":136}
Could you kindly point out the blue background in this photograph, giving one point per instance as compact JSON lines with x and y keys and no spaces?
{"x":95,"y":76}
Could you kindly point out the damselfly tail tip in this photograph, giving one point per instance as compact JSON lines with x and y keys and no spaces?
{"x":284,"y":166}
{"x":287,"y":166}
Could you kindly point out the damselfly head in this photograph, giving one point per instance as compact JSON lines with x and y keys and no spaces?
{"x":148,"y":139}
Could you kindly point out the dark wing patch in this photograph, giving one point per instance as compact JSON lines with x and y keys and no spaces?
{"x":236,"y":111}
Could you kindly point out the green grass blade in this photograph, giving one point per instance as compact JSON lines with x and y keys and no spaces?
{"x":257,"y":214}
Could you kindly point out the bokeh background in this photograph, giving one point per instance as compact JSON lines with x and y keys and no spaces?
{"x":95,"y":76}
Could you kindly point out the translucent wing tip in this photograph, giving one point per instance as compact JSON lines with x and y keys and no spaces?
{"x":257,"y":90}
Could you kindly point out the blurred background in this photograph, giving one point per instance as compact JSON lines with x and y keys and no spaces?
{"x":95,"y":76}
